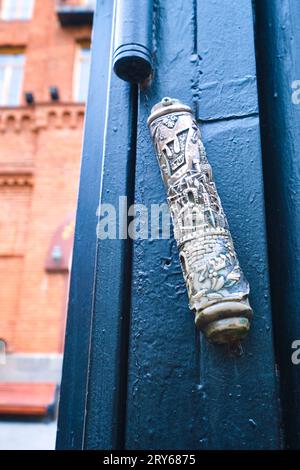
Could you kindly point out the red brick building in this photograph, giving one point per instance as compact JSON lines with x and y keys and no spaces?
{"x":44,"y":58}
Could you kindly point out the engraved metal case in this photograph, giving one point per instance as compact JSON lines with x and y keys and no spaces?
{"x":217,"y":289}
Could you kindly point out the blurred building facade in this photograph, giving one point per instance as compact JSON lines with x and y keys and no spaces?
{"x":44,"y":68}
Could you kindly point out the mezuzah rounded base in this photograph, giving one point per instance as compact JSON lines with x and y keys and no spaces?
{"x":228,"y":330}
{"x":225,"y":322}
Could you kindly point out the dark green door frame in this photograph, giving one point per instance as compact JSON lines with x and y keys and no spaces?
{"x":278,"y":61}
{"x":136,"y":373}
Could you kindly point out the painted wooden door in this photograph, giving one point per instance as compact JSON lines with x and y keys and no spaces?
{"x":137,"y":375}
{"x":278,"y":61}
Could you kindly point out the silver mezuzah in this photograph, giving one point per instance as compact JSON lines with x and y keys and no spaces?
{"x":217,"y":289}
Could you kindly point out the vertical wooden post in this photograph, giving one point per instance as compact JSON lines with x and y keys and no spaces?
{"x":133,"y":377}
{"x":184,"y":393}
{"x":278,"y":54}
{"x":74,"y":388}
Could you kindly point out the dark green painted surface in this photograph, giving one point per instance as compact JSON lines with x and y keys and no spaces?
{"x":278,"y":54}
{"x":136,"y":373}
{"x":71,"y":421}
{"x":107,"y":382}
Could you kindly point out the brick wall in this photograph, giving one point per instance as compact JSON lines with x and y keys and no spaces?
{"x":40,"y":150}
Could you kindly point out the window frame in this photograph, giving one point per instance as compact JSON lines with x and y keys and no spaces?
{"x":5,"y":90}
{"x":6,"y":10}
{"x":86,"y":44}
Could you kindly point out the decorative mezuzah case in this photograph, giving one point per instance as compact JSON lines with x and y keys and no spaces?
{"x":217,"y":289}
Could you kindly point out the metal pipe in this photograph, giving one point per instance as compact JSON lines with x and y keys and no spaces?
{"x":132,"y":58}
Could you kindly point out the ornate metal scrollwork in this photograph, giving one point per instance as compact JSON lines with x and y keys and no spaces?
{"x":217,"y":289}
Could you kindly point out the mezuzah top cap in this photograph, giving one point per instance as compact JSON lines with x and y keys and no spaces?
{"x":166,"y":106}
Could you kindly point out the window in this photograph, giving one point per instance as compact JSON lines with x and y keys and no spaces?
{"x":11,"y":76}
{"x":2,"y":352}
{"x":16,"y":9}
{"x":82,"y":73}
